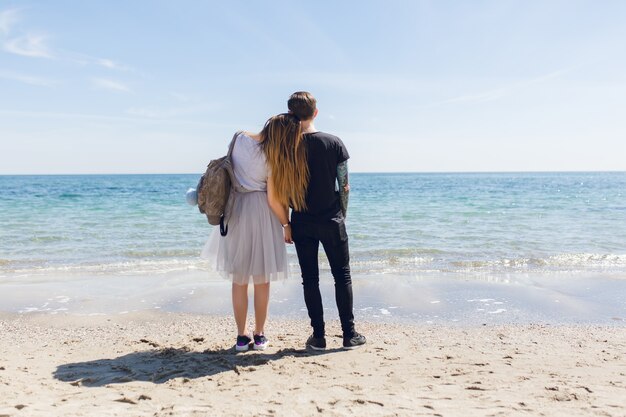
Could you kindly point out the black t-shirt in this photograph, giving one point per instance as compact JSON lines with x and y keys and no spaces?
{"x":324,"y":153}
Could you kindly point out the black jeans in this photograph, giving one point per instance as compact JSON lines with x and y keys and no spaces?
{"x":334,"y":239}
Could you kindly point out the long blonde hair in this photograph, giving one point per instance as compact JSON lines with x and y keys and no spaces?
{"x":281,"y":140}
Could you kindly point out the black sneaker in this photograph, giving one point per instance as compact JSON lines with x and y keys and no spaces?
{"x":260,"y":342}
{"x":356,"y":341}
{"x":316,"y":343}
{"x":243,"y":343}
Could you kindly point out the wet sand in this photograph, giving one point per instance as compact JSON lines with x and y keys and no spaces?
{"x":440,"y":299}
{"x":173,"y":364}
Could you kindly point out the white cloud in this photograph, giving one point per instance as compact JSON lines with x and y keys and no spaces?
{"x":34,"y":45}
{"x":7,"y":20}
{"x":111,"y":118}
{"x":107,"y":63}
{"x":109,"y":84}
{"x":27,"y":79}
{"x":88,"y":60}
{"x":499,"y":93}
{"x":169,"y":112}
{"x":30,"y":45}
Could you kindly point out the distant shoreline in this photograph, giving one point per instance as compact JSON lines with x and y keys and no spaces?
{"x":352,"y":173}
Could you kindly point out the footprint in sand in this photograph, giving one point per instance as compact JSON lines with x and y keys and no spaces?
{"x":125,"y":400}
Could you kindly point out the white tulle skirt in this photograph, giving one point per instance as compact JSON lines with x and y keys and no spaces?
{"x":254,"y":248}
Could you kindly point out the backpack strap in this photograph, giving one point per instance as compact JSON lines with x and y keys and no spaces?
{"x":232,"y":143}
{"x":234,"y":184}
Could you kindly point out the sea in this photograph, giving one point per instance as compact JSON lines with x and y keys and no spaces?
{"x":471,"y":225}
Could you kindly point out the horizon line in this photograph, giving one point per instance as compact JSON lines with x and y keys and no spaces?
{"x":351,"y":173}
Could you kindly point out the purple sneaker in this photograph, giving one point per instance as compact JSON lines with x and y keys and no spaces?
{"x":260,"y":342}
{"x":243,"y":343}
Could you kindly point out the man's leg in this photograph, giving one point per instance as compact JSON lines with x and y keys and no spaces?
{"x":335,"y":244}
{"x":307,"y":248}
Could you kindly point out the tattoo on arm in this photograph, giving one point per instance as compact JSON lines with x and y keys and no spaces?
{"x":344,"y":186}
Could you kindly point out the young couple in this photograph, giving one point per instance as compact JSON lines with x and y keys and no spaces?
{"x":288,"y":164}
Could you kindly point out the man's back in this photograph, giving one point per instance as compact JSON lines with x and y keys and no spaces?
{"x":323,"y":222}
{"x":324,"y":153}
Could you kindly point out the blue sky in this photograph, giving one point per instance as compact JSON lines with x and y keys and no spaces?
{"x":160,"y":86}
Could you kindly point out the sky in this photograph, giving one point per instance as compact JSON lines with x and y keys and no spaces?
{"x":153,"y":86}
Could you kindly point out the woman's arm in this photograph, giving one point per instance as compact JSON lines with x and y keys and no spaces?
{"x":280,"y":210}
{"x":344,"y":186}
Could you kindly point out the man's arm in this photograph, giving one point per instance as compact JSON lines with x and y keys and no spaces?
{"x":344,"y":186}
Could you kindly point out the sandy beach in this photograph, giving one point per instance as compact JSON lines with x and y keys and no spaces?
{"x":173,"y":364}
{"x":451,"y":172}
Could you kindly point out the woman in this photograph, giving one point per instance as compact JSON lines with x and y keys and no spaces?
{"x":272,"y":163}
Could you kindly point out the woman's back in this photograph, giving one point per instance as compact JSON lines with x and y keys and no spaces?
{"x":254,"y":248}
{"x":249,"y":164}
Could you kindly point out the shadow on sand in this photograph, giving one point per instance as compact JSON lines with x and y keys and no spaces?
{"x":161,"y":365}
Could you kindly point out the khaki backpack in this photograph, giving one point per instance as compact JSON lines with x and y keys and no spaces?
{"x":215,"y":199}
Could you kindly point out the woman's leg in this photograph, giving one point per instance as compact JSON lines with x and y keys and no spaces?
{"x":261,"y":306}
{"x":240,"y":307}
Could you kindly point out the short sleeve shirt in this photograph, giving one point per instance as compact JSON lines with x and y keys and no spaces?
{"x":324,"y":153}
{"x":249,"y":163}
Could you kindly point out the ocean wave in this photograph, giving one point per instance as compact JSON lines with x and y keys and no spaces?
{"x":587,"y":259}
{"x":49,"y":238}
{"x":393,"y":260}
{"x":398,"y":252}
{"x":449,"y":263}
{"x":131,"y":267}
{"x":568,"y":260}
{"x":168,"y":253}
{"x":361,"y":263}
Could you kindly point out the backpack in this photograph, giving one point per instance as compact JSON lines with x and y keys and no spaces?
{"x":214,"y":189}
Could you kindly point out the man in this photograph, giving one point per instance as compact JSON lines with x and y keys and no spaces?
{"x":323,"y":221}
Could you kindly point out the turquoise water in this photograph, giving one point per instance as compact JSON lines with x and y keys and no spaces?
{"x":467,"y":224}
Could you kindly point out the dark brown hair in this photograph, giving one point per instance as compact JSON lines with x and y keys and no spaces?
{"x":302,"y":104}
{"x":281,"y":140}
